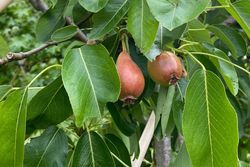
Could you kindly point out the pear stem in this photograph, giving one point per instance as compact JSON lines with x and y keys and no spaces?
{"x":124,"y":39}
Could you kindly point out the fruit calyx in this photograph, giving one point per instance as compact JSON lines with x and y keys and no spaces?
{"x":131,"y":78}
{"x":166,"y":68}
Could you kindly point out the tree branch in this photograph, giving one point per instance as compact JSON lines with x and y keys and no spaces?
{"x":22,"y":55}
{"x":39,"y":5}
{"x":79,"y":35}
{"x":42,"y":6}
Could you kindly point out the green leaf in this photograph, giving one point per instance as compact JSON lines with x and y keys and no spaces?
{"x":227,"y":71}
{"x":197,"y":33}
{"x":50,"y":21}
{"x":49,"y":149}
{"x":165,"y":36}
{"x":209,"y":123}
{"x":53,"y":2}
{"x":4,"y":47}
{"x":182,"y":159}
{"x":64,"y":33}
{"x":91,"y":80}
{"x":4,"y":90}
{"x":174,"y":13}
{"x":13,"y":113}
{"x":70,"y":9}
{"x":231,"y":38}
{"x":92,"y":151}
{"x":108,"y":18}
{"x":50,"y":105}
{"x":93,"y":5}
{"x":142,"y":25}
{"x":240,"y":10}
{"x":117,"y":147}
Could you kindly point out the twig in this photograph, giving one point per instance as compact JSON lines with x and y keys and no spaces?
{"x":79,"y":35}
{"x":40,"y":5}
{"x":22,"y":55}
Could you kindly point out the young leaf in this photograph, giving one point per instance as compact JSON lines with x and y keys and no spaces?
{"x":13,"y":122}
{"x":90,"y":79}
{"x":93,"y":5}
{"x":92,"y":151}
{"x":64,"y":33}
{"x":142,"y":25}
{"x":240,"y":11}
{"x":108,"y":18}
{"x":50,"y":105}
{"x":49,"y":149}
{"x":209,"y":123}
{"x":50,"y":21}
{"x":172,"y":14}
{"x":231,"y":38}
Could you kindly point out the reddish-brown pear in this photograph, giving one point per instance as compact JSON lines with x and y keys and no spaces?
{"x":166,"y":68}
{"x":131,"y":78}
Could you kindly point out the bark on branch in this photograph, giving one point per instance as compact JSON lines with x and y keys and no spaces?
{"x":22,"y":55}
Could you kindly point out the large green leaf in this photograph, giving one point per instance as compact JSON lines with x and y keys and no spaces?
{"x":50,"y":21}
{"x":4,"y":47}
{"x":50,"y":105}
{"x":64,"y":33}
{"x":90,"y":79}
{"x":240,"y":10}
{"x":12,"y":129}
{"x":142,"y":25}
{"x":108,"y":18}
{"x":226,"y":70}
{"x":49,"y":149}
{"x":92,"y":151}
{"x":117,"y":147}
{"x":93,"y":5}
{"x":174,"y":13}
{"x":209,"y":123}
{"x":231,"y":38}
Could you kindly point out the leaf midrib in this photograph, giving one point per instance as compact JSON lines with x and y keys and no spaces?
{"x":17,"y":123}
{"x":91,"y":149}
{"x":52,"y":98}
{"x":208,"y":117}
{"x":142,"y":19}
{"x":47,"y":147}
{"x":91,"y":84}
{"x":105,"y":25}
